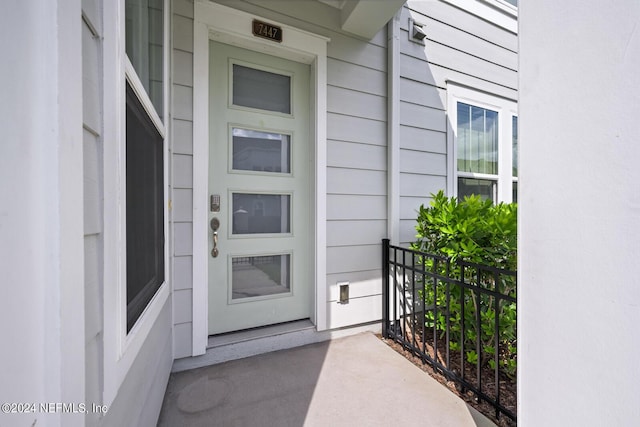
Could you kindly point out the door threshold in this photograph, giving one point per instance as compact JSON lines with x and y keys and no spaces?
{"x":238,"y":345}
{"x":257,"y":333}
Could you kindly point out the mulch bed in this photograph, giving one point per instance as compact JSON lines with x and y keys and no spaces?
{"x":508,"y":394}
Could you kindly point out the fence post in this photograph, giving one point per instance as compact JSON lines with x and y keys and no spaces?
{"x":385,"y":288}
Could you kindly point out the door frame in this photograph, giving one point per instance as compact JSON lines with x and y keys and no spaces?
{"x":223,"y":24}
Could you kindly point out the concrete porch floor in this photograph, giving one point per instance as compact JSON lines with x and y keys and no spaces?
{"x":351,"y":381}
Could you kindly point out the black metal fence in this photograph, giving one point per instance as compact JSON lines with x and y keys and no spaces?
{"x":458,"y":317}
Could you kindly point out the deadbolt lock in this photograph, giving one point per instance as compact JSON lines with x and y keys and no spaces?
{"x":215,"y":224}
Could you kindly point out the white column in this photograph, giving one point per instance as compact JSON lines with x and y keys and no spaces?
{"x":41,"y":212}
{"x":579,"y":297}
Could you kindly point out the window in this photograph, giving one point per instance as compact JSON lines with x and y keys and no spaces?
{"x":144,"y":206}
{"x":484,"y":141}
{"x":144,"y":44}
{"x":135,"y":172}
{"x":477,"y":159}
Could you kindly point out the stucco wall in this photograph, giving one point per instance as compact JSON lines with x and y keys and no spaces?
{"x":579,"y":231}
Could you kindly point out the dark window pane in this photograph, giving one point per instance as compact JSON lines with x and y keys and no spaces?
{"x":261,"y":89}
{"x":484,"y":188}
{"x":515,"y":192}
{"x":144,"y":33}
{"x":145,"y":213}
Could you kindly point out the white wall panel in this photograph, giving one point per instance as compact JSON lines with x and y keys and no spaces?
{"x":465,"y":21}
{"x":355,"y":181}
{"x":356,"y":77}
{"x":356,"y":129}
{"x":182,"y":67}
{"x":182,"y":340}
{"x":182,"y":33}
{"x":354,"y":103}
{"x":91,"y":80}
{"x":93,"y":301}
{"x":92,"y":183}
{"x":183,"y":238}
{"x":182,"y":102}
{"x":182,"y":306}
{"x":422,"y":94}
{"x":348,"y":206}
{"x":182,"y":175}
{"x":422,"y":117}
{"x":409,"y":206}
{"x":182,"y":171}
{"x":420,"y":162}
{"x":183,"y":8}
{"x":421,"y":185}
{"x":361,"y":284}
{"x":182,"y":140}
{"x":446,"y":34}
{"x":578,"y":249}
{"x":357,"y":156}
{"x":358,"y":310}
{"x":341,"y":259}
{"x":182,"y":272}
{"x":418,"y":139}
{"x":356,"y":232}
{"x":182,"y":205}
{"x":356,"y":51}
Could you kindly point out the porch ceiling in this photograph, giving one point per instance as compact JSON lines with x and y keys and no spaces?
{"x":365,"y":17}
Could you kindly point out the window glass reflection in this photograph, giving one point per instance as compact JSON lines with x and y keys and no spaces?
{"x":261,"y":213}
{"x":261,"y":151}
{"x":477,"y":139}
{"x":260,"y":276}
{"x":261,"y":89}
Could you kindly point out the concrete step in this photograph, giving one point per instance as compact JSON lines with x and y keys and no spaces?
{"x":238,"y":345}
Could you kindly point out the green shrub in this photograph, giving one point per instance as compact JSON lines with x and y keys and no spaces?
{"x":477,"y":231}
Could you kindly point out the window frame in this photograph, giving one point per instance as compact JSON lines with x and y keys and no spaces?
{"x":120,"y":348}
{"x":506,"y":109}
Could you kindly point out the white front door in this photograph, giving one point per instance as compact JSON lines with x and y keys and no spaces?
{"x":260,"y":192}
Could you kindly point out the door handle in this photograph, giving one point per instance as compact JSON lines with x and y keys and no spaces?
{"x":214,"y":251}
{"x":215,"y":224}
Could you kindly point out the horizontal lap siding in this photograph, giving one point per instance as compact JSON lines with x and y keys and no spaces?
{"x":356,"y":175}
{"x":459,"y":47}
{"x":92,"y":204}
{"x":181,"y":182}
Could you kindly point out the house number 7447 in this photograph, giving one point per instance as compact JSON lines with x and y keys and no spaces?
{"x":267,"y":31}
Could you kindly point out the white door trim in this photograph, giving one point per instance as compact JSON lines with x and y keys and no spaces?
{"x":227,"y":25}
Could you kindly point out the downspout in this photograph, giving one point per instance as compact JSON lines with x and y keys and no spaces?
{"x":393,"y":129}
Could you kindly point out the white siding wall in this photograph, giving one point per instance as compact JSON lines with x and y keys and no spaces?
{"x":92,"y":203}
{"x":181,"y":182}
{"x":459,"y":47}
{"x":356,"y":175}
